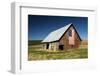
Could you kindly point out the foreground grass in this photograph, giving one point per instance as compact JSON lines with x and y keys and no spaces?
{"x":34,"y":54}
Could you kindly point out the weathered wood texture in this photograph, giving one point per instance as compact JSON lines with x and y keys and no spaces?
{"x":70,"y":42}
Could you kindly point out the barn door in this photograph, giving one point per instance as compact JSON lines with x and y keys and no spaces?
{"x":47,"y":46}
{"x":61,"y":47}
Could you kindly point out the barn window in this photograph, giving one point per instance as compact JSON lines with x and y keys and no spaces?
{"x":69,"y":33}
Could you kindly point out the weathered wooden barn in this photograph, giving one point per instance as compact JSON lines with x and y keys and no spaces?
{"x":62,"y":39}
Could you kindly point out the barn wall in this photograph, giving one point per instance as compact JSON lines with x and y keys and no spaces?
{"x":53,"y":46}
{"x":74,"y":40}
{"x":64,"y":41}
{"x":77,"y":41}
{"x":44,"y":46}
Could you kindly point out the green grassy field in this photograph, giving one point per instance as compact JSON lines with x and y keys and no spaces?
{"x":36,"y":53}
{"x":34,"y":42}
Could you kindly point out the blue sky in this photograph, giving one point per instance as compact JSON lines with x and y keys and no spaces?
{"x":40,"y":26}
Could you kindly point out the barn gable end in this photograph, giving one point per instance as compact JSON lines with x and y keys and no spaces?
{"x":70,"y":41}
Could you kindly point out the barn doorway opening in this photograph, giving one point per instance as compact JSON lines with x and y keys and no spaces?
{"x":61,"y":47}
{"x":47,"y":47}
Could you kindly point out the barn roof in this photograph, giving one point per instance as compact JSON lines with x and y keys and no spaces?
{"x":57,"y":34}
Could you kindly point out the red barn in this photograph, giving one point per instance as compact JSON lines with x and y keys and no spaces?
{"x":62,"y":39}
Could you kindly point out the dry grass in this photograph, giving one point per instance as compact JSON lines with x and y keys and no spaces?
{"x":35,"y":52}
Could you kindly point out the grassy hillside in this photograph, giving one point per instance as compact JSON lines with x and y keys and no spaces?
{"x":34,"y":42}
